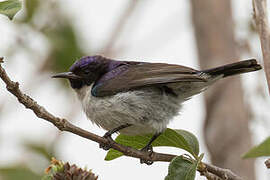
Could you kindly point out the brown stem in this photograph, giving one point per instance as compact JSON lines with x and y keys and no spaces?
{"x":260,"y":16}
{"x":63,"y":125}
{"x":210,"y":176}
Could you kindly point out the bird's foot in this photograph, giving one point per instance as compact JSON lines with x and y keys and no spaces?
{"x":108,"y":136}
{"x":149,"y":150}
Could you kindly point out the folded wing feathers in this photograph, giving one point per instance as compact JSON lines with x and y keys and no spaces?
{"x":147,"y":74}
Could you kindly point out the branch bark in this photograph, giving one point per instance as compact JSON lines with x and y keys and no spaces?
{"x":260,"y":16}
{"x":63,"y":125}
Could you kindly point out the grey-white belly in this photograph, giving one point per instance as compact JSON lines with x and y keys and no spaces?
{"x":149,"y":110}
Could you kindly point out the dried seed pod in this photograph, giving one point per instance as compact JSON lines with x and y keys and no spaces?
{"x":60,"y":171}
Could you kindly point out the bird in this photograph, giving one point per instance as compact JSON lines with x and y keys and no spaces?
{"x":137,"y":98}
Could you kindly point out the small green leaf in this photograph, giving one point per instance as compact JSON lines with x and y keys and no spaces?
{"x":57,"y":168}
{"x":10,"y":8}
{"x":189,"y":140}
{"x":174,"y":138}
{"x":181,"y":168}
{"x":262,"y":149}
{"x":200,"y":157}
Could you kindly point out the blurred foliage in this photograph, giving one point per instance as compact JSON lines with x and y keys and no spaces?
{"x":57,"y":29}
{"x":45,"y":19}
{"x":21,"y":170}
{"x":31,"y":7}
{"x":40,"y":149}
{"x":18,"y":172}
{"x":10,"y":8}
{"x":64,"y":47}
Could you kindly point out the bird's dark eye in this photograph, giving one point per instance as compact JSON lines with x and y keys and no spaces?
{"x":86,"y":71}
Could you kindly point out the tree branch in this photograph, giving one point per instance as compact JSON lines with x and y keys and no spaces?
{"x":63,"y":125}
{"x":219,"y":172}
{"x":210,"y":176}
{"x":260,"y":16}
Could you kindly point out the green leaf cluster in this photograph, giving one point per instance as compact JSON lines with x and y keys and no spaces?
{"x":172,"y":138}
{"x":180,"y":167}
{"x":21,"y":170}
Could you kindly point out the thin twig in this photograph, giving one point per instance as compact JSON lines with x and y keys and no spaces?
{"x":119,"y":26}
{"x":220,"y":172}
{"x":210,"y":176}
{"x":63,"y":125}
{"x":260,"y":16}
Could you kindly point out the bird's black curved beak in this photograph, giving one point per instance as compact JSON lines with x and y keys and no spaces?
{"x":67,"y":75}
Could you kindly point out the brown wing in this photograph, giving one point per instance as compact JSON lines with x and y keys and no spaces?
{"x":128,"y":77}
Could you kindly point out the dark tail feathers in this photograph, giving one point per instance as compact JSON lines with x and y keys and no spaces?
{"x":235,"y":68}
